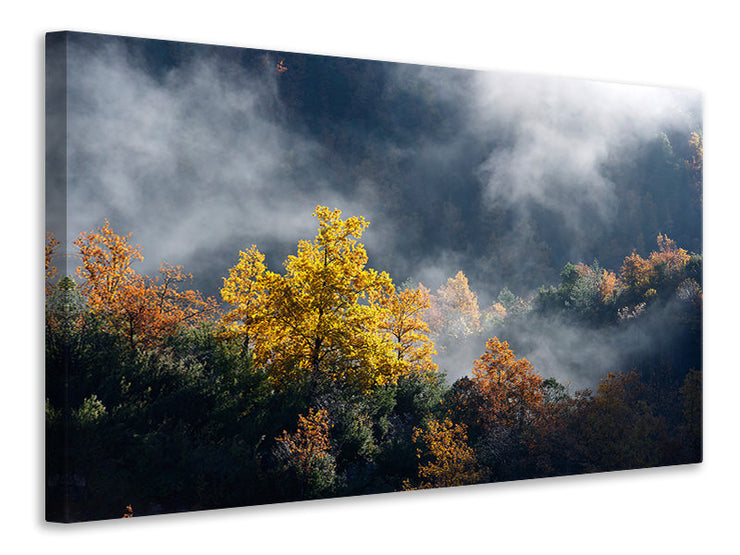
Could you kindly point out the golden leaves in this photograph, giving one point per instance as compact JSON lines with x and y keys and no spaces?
{"x":643,"y":275}
{"x":244,"y":289}
{"x":401,"y":317}
{"x":454,"y":309}
{"x":328,"y":316}
{"x":310,"y":442}
{"x":450,"y":461}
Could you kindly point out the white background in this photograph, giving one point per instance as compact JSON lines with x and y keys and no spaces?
{"x":672,"y":43}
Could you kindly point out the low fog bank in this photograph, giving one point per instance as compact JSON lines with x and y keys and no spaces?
{"x":660,"y":344}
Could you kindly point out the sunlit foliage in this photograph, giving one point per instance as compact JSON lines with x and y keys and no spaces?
{"x":664,"y":267}
{"x":144,"y":310}
{"x":321,"y":381}
{"x":323,"y":318}
{"x":307,"y":453}
{"x":445,"y":458}
{"x":511,"y":389}
{"x":244,"y":290}
{"x":402,"y":319}
{"x":310,"y":442}
{"x":454,"y":309}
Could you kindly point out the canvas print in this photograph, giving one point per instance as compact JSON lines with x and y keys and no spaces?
{"x":274,"y":277}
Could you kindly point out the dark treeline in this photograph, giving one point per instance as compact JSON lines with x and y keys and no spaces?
{"x":160,"y":400}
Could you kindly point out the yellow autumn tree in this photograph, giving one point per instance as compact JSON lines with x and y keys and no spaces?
{"x":322,"y":318}
{"x":245,"y":290}
{"x":445,"y":458}
{"x":402,"y":318}
{"x":635,"y":273}
{"x":454,"y":309}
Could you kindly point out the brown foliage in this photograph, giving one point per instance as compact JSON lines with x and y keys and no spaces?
{"x":618,"y":427}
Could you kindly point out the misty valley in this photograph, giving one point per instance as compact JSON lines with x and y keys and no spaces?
{"x":276,"y":277}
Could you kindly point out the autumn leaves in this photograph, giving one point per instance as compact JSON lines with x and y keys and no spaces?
{"x":142,"y":309}
{"x":328,"y":317}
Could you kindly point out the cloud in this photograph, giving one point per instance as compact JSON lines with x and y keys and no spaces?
{"x":554,"y":136}
{"x":197,"y":160}
{"x":200,"y":159}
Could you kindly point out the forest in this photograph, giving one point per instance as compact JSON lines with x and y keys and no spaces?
{"x":361,"y":276}
{"x":326,"y":378}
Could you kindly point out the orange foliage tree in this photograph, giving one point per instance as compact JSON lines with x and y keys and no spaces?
{"x":445,"y":458}
{"x":608,"y":285}
{"x":106,"y":266}
{"x":511,"y":389}
{"x":142,"y":309}
{"x":310,"y":442}
{"x":643,"y":276}
{"x":669,"y":255}
{"x":605,"y":281}
{"x":308,"y":453}
{"x":49,"y":255}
